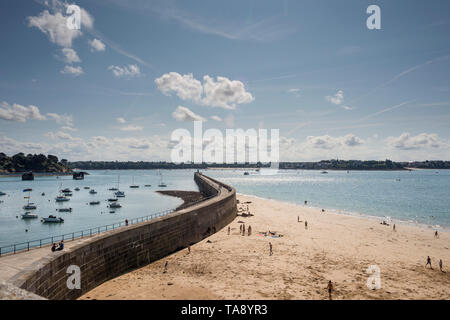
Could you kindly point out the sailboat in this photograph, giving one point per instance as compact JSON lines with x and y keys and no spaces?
{"x":29,"y":205}
{"x":133,"y":185}
{"x":161,"y":183}
{"x":118,"y":193}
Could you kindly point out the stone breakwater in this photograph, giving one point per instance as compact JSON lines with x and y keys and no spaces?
{"x":113,"y":253}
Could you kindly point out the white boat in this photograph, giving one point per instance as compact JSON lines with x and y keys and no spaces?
{"x":93,"y":191}
{"x":115,"y":205}
{"x":118,"y":193}
{"x":161,"y":183}
{"x":29,"y":215}
{"x":29,"y":206}
{"x":133,"y":186}
{"x":61,"y":199}
{"x":52,"y":219}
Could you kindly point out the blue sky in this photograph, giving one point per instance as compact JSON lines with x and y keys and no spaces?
{"x":139,"y":69}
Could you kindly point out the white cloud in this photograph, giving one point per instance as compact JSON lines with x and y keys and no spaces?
{"x":61,"y":118}
{"x":221,"y":92}
{"x":97,"y":45}
{"x":121,"y":120}
{"x":186,"y":87}
{"x":61,"y":135}
{"x":132,"y":128}
{"x":69,"y":128}
{"x":55,"y":27}
{"x":216,"y":118}
{"x":225,"y":93}
{"x":185,"y":114}
{"x":132,"y":70}
{"x":75,"y":71}
{"x":407,"y":142}
{"x":70,"y":55}
{"x":19,"y":113}
{"x":337,"y":98}
{"x":348,"y":108}
{"x":328,"y":142}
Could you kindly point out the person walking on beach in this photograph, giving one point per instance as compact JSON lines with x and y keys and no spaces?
{"x":298,"y":218}
{"x":270,"y":249}
{"x":330,"y":289}
{"x":306,"y":225}
{"x":243,"y":229}
{"x":393,"y":227}
{"x":429,"y":262}
{"x":436,"y":235}
{"x":240,"y":229}
{"x":165,"y":266}
{"x":306,"y":202}
{"x":189,"y":248}
{"x":440,"y":265}
{"x":229,"y":230}
{"x":249,"y":230}
{"x":126,"y":222}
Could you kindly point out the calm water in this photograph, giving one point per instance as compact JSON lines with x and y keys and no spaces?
{"x":421,"y":196}
{"x":417,"y":196}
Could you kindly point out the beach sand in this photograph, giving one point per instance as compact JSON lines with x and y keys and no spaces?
{"x":335,"y":247}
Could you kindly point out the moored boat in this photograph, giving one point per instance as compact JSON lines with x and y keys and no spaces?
{"x":64,"y":210}
{"x":93,"y":191}
{"x":52,"y":219}
{"x":115,"y":205}
{"x":92,"y":203}
{"x":61,"y":199}
{"x":29,"y":215}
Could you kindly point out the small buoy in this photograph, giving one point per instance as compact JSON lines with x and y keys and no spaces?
{"x":26,"y":230}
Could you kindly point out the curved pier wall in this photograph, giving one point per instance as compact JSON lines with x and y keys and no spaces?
{"x":111,"y":254}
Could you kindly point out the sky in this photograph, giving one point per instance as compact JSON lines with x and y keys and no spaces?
{"x":137,"y":70}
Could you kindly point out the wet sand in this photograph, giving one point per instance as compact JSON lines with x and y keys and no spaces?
{"x":334,"y":247}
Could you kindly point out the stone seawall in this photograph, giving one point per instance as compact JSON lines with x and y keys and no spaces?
{"x":116,"y":252}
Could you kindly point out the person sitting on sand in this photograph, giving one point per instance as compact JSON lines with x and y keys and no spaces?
{"x":54,"y":247}
{"x":429,"y":262}
{"x":165,"y":266}
{"x":440,"y":265}
{"x":330,"y":289}
{"x":270,"y":249}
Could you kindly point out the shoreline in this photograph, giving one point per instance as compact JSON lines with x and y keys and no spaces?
{"x":333,"y":247}
{"x":354,"y":214}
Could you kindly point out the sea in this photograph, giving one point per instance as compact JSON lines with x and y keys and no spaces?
{"x":419,"y":197}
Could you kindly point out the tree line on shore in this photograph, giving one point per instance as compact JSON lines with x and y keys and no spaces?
{"x":32,"y":162}
{"x":41,"y":163}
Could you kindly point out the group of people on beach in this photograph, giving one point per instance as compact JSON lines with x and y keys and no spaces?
{"x":60,"y":246}
{"x":429,"y":264}
{"x":242,"y":230}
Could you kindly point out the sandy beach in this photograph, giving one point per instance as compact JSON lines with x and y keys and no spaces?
{"x":334,"y":247}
